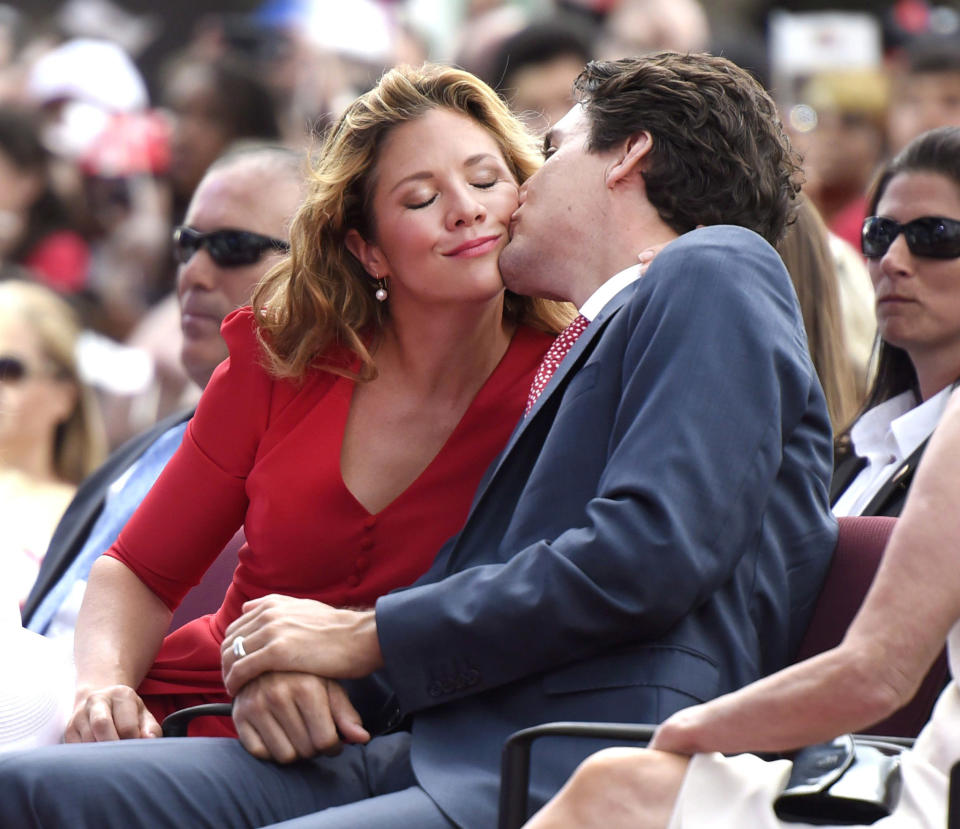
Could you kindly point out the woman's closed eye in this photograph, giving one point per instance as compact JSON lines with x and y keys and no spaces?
{"x":480,"y":185}
{"x":422,"y":204}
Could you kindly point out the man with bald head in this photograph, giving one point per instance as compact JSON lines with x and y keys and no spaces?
{"x":234,"y":230}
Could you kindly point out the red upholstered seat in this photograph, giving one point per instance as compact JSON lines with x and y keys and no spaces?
{"x":860,"y":547}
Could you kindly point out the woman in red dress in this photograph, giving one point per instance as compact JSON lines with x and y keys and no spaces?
{"x":379,"y":372}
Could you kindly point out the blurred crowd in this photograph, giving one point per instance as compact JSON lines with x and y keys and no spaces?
{"x":99,"y":157}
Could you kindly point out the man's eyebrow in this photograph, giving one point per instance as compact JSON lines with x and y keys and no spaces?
{"x":426,"y":175}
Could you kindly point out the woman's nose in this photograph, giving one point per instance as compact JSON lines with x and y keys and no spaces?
{"x":466,"y":209}
{"x":898,"y":257}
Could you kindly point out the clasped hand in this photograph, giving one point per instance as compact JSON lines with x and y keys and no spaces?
{"x":285,"y":716}
{"x":286,"y":704}
{"x":282,"y":633}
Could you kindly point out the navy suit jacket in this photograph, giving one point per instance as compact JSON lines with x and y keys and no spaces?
{"x":654,"y":533}
{"x":78,"y":519}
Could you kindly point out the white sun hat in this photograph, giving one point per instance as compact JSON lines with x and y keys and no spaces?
{"x":36,"y":687}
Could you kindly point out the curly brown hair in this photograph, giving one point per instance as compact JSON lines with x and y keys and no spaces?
{"x":321,"y":296}
{"x":719,"y":155}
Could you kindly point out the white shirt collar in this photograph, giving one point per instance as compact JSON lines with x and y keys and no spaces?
{"x":899,"y":420}
{"x":608,"y":290}
{"x":885,"y":437}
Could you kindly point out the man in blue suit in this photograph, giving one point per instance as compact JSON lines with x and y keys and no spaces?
{"x":654,"y":533}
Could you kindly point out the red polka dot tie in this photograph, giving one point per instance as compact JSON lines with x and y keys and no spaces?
{"x":554,"y":356}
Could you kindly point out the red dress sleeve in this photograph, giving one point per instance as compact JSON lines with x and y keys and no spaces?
{"x":200,"y":499}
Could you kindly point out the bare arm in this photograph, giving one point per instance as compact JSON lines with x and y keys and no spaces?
{"x":911,"y":606}
{"x":119,"y":631}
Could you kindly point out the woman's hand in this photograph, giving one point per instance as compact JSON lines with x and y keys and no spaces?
{"x":293,"y":716}
{"x":282,"y":633}
{"x":113,"y":713}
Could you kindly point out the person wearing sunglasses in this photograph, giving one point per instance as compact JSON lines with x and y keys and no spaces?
{"x":246,"y":197}
{"x":911,"y":239}
{"x":228,"y":248}
{"x":51,"y":434}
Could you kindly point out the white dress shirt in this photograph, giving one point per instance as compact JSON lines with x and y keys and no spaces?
{"x":886,"y":436}
{"x":608,"y":290}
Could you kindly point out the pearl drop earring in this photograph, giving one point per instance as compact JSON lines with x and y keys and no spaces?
{"x":381,"y":292}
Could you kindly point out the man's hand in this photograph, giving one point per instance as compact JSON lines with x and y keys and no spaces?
{"x":292,"y":716}
{"x":112,"y":713}
{"x":281,"y":633}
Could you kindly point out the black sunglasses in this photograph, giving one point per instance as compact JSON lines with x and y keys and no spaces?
{"x":930,"y":236}
{"x":227,"y":248}
{"x":12,"y":369}
{"x":15,"y":370}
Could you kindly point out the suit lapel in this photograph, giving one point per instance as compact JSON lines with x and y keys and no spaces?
{"x":845,"y":472}
{"x":557,"y":382}
{"x":898,"y":481}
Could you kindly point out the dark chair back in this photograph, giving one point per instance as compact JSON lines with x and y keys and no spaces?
{"x":207,"y":596}
{"x":860,"y":547}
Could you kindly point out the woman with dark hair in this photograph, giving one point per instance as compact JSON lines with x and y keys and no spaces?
{"x":911,"y":239}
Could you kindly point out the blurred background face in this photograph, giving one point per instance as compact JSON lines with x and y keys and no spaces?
{"x":19,"y":188}
{"x":843,"y":151}
{"x":542,"y":93}
{"x":30,"y":407}
{"x":247,"y":195}
{"x":200,"y":133}
{"x":921,"y":102}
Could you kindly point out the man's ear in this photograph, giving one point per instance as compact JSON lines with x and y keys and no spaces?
{"x":630,"y":162}
{"x":367,"y":254}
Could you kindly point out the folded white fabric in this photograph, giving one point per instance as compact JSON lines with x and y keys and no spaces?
{"x":36,"y":685}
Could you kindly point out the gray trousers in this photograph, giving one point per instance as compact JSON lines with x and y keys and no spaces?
{"x":211,"y":782}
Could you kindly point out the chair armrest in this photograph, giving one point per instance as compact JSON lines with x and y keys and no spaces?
{"x":176,"y":724}
{"x":515,"y":763}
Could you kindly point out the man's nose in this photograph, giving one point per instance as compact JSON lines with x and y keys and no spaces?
{"x":199,"y":271}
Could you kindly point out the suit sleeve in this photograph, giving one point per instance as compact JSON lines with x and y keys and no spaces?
{"x":714,"y":376}
{"x":199,"y":501}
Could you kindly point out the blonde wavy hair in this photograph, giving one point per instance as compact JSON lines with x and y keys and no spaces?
{"x":80,"y":443}
{"x":320,"y":295}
